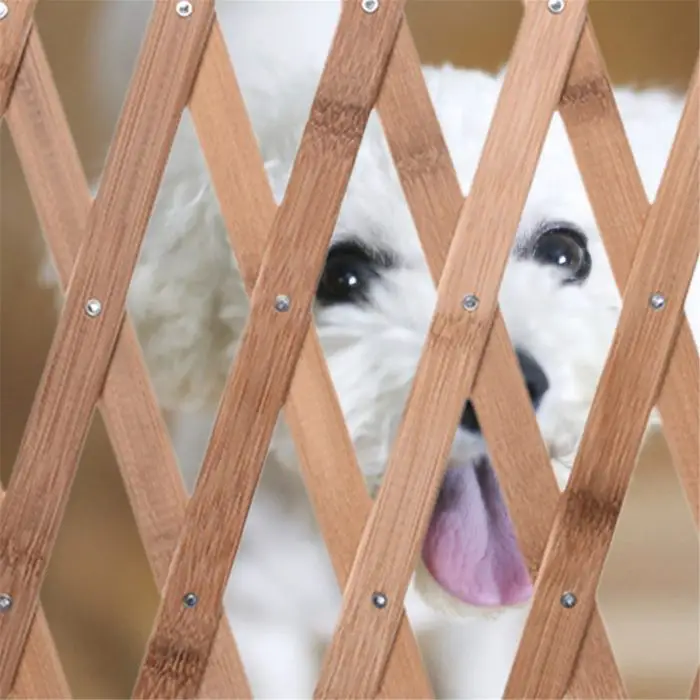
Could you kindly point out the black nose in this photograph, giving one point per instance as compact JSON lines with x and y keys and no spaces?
{"x":535,"y":380}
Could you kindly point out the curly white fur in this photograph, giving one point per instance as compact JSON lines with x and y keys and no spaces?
{"x":189,"y":307}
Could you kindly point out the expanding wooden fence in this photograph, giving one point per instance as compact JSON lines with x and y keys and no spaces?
{"x":95,"y":359}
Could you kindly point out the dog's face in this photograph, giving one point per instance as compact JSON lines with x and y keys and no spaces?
{"x":375,"y":301}
{"x":374,"y":305}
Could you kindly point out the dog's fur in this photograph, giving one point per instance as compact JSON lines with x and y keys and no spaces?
{"x":189,"y":307}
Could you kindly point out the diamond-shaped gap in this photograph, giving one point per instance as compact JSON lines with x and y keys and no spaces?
{"x":98,"y":563}
{"x":469,"y":33}
{"x":648,"y":591}
{"x":647,"y":57}
{"x":93,"y":48}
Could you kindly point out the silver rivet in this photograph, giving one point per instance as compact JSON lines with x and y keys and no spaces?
{"x":568,"y":600}
{"x":556,"y":6}
{"x":370,"y":6}
{"x":379,"y":600}
{"x":190,"y":600}
{"x":4,"y":10}
{"x":93,"y":307}
{"x":657,"y":301}
{"x":282,"y":302}
{"x":470,"y":302}
{"x":184,"y":8}
{"x":5,"y":602}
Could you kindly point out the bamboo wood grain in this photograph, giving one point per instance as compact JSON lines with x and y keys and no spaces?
{"x":82,"y":347}
{"x":618,"y":199}
{"x":40,"y":673}
{"x":134,"y":423}
{"x":499,"y":394}
{"x":14,"y":29}
{"x":628,"y":388}
{"x":326,"y":454}
{"x":602,"y":152}
{"x":270,"y":346}
{"x":456,"y":341}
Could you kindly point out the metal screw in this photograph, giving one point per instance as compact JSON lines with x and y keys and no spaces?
{"x":556,"y":6}
{"x":370,"y":6}
{"x":568,"y":600}
{"x":379,"y":600}
{"x":5,"y":602}
{"x":184,"y":8}
{"x":282,"y":302}
{"x":93,"y":307}
{"x":190,"y":600}
{"x":4,"y":10}
{"x":657,"y":301}
{"x":470,"y":302}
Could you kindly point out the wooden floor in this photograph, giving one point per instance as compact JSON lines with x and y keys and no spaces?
{"x":99,"y":595}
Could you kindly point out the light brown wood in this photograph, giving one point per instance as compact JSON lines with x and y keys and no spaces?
{"x":500,"y":398}
{"x":695,"y":690}
{"x":80,"y":354}
{"x":603,"y":154}
{"x":269,"y":349}
{"x":132,"y":417}
{"x":628,"y":388}
{"x":313,"y":402}
{"x":326,"y":454}
{"x":456,"y":340}
{"x":40,"y":674}
{"x":14,"y":29}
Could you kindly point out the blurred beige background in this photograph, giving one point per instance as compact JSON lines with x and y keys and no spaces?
{"x":99,"y":595}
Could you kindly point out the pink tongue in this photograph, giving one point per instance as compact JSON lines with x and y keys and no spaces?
{"x":470,"y":548}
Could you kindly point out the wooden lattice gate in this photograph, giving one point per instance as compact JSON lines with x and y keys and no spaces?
{"x":95,"y":359}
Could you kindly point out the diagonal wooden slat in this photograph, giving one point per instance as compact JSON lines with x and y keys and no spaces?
{"x":326,"y":454}
{"x":628,"y":388}
{"x":80,"y":353}
{"x":40,"y":673}
{"x":270,"y":346}
{"x":61,"y":195}
{"x":456,"y":340}
{"x":14,"y":29}
{"x":602,"y":151}
{"x":500,"y":397}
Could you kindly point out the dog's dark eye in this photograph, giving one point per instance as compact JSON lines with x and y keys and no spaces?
{"x":566,"y":249}
{"x":348,"y":272}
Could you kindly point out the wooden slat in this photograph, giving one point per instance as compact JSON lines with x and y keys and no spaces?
{"x":456,"y":340}
{"x":602,"y":152}
{"x":40,"y":674}
{"x":270,"y":346}
{"x":14,"y":29}
{"x":628,"y":388}
{"x":326,"y":454}
{"x":499,"y":395}
{"x":695,"y":690}
{"x":131,"y":414}
{"x":80,"y":353}
{"x":620,"y":204}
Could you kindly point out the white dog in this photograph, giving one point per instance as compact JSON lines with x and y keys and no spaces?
{"x":374,"y":305}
